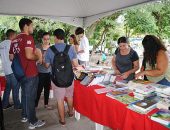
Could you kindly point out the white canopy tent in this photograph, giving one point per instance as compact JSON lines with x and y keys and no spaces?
{"x":76,"y":12}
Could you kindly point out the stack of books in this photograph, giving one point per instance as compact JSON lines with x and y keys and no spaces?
{"x":162,"y":117}
{"x":132,"y":84}
{"x":146,"y":105}
{"x":144,"y":89}
{"x":142,"y":92}
{"x":164,"y":103}
{"x":162,"y":90}
{"x":143,"y":96}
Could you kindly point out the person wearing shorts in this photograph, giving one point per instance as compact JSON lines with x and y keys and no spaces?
{"x":61,"y":93}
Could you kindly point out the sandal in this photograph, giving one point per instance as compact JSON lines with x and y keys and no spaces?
{"x":70,"y":114}
{"x":62,"y":123}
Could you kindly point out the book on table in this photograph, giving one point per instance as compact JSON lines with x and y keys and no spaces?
{"x":119,"y":86}
{"x":103,"y":90}
{"x":116,"y":93}
{"x":80,"y":75}
{"x":162,"y":117}
{"x":162,"y":95}
{"x":146,"y":104}
{"x":164,"y":103}
{"x":87,"y":80}
{"x":108,"y":79}
{"x":132,"y":84}
{"x":126,"y":99}
{"x":96,"y":80}
{"x":162,"y":89}
{"x":143,"y":96}
{"x":144,"y":89}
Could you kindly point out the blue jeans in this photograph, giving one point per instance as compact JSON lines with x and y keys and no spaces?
{"x":164,"y":81}
{"x":11,"y":84}
{"x":29,"y":93}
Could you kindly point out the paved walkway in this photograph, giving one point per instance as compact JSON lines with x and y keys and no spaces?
{"x":12,"y":120}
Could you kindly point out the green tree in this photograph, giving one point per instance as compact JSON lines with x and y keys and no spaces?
{"x":139,"y":21}
{"x":104,"y":30}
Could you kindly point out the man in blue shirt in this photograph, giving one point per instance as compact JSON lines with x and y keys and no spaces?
{"x":61,"y":93}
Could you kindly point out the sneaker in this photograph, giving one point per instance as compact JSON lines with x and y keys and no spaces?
{"x":24,"y":120}
{"x":48,"y":107}
{"x":39,"y":123}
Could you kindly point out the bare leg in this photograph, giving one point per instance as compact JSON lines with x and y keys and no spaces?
{"x":61,"y":112}
{"x":70,"y":104}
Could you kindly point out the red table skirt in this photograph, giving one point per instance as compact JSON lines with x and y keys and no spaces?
{"x":109,"y":112}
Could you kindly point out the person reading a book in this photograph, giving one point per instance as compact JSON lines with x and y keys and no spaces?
{"x":125,"y":61}
{"x":157,"y":63}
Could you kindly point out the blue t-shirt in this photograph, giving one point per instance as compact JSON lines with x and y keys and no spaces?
{"x":60,"y":47}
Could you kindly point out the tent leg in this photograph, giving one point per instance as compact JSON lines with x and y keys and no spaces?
{"x":98,"y":126}
{"x":77,"y":115}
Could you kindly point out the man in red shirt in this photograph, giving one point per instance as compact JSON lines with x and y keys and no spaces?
{"x":24,"y":46}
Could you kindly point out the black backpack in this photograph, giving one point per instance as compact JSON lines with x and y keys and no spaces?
{"x":62,"y":71}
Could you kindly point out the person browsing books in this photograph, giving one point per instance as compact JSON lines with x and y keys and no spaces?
{"x":157,"y":63}
{"x":125,"y":61}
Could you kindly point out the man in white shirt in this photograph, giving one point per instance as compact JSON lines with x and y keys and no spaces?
{"x":83,"y":51}
{"x":11,"y":82}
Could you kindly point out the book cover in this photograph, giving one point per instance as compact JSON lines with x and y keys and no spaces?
{"x":144,"y":89}
{"x":146,"y":104}
{"x":87,"y":80}
{"x":126,"y":99}
{"x":103,"y":90}
{"x":164,"y":103}
{"x":162,"y":89}
{"x":143,"y":96}
{"x":118,"y":86}
{"x":116,"y":93}
{"x":162,"y":116}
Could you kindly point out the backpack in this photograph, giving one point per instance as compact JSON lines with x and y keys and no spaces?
{"x":17,"y":68}
{"x":62,"y":71}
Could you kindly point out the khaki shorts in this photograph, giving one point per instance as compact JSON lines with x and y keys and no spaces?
{"x":61,"y":93}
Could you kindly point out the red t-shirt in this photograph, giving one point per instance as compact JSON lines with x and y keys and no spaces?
{"x":18,"y":45}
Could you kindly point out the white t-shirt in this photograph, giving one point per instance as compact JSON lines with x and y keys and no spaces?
{"x":4,"y":55}
{"x":84,"y":45}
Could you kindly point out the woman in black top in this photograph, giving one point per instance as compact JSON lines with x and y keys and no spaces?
{"x":125,"y":62}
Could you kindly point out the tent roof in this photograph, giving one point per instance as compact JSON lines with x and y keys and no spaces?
{"x":76,"y":12}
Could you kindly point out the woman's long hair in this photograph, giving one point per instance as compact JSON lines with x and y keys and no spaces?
{"x":74,"y":39}
{"x":152,"y":45}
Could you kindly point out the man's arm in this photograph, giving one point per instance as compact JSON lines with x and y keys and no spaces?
{"x":30,"y":54}
{"x":75,"y":63}
{"x":11,"y":57}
